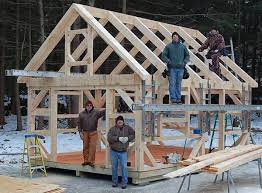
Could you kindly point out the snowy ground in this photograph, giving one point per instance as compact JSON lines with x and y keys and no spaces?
{"x":12,"y":141}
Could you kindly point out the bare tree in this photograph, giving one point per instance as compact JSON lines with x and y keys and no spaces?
{"x":42,"y":39}
{"x":16,"y":86}
{"x":2,"y":65}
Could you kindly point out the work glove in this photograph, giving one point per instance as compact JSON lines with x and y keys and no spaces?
{"x":123,"y":139}
{"x":81,"y":135}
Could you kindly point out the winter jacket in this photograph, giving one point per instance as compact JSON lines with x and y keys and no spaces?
{"x":175,"y":55}
{"x":87,"y":121}
{"x":116,"y":132}
{"x":214,"y":42}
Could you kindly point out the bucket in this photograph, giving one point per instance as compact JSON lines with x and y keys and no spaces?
{"x":197,"y":131}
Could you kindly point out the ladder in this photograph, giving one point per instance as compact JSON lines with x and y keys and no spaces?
{"x":33,"y":154}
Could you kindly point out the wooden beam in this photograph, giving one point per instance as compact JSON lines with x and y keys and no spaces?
{"x":110,"y":40}
{"x":136,"y":42}
{"x":83,"y":45}
{"x":38,"y":99}
{"x":52,"y":40}
{"x":196,"y":148}
{"x":126,"y":98}
{"x":101,"y":13}
{"x":149,"y":155}
{"x":221,"y":118}
{"x":95,"y":80}
{"x":235,"y":99}
{"x":121,"y":65}
{"x":108,"y":50}
{"x":211,"y":161}
{"x":91,"y":98}
{"x":53,"y":123}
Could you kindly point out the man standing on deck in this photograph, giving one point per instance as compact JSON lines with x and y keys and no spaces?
{"x":175,"y":55}
{"x":87,"y":127}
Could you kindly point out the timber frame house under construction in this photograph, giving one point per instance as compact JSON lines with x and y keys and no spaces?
{"x":140,"y":87}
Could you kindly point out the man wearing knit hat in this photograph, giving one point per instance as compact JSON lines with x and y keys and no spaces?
{"x":119,"y":137}
{"x":87,"y":127}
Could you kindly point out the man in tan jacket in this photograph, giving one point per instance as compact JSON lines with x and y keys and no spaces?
{"x":87,"y":127}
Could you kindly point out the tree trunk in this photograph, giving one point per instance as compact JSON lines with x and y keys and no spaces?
{"x":42,"y":39}
{"x":17,"y":98}
{"x":2,"y":66}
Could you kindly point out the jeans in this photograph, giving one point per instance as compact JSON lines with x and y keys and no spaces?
{"x":175,"y":81}
{"x":122,"y":157}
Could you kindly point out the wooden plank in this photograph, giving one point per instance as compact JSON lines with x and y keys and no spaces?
{"x":149,"y":156}
{"x":67,"y":116}
{"x":121,"y":65}
{"x":52,"y":40}
{"x":237,"y":161}
{"x":91,"y":98}
{"x":40,"y":112}
{"x":82,"y":81}
{"x":108,"y":50}
{"x":110,"y":40}
{"x":211,"y":161}
{"x":83,"y":45}
{"x":242,"y":139}
{"x":139,"y":150}
{"x":38,"y":99}
{"x":221,"y":152}
{"x":53,"y":123}
{"x":69,"y":93}
{"x":126,"y":98}
{"x":101,"y":13}
{"x":136,"y":42}
{"x":221,"y":118}
{"x":196,"y":148}
{"x":235,"y":99}
{"x":18,"y":185}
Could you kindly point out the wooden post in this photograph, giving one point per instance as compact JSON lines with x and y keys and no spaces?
{"x":31,"y":118}
{"x":53,"y":122}
{"x":187,"y":114}
{"x":67,"y":50}
{"x":139,"y":150}
{"x":90,"y":66}
{"x":110,"y":102}
{"x":221,"y":118}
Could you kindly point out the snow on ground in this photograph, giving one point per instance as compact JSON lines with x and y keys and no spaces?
{"x":12,"y":141}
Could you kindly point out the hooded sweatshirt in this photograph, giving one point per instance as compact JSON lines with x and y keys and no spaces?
{"x":175,"y":55}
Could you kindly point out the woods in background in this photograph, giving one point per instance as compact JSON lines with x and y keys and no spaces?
{"x":25,"y":24}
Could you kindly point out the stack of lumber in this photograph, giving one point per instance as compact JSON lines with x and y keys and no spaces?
{"x":17,"y":185}
{"x":220,"y":161}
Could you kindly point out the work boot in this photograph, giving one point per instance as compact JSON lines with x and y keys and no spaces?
{"x":114,"y":185}
{"x":179,"y":102}
{"x":91,"y":164}
{"x":85,"y":163}
{"x":123,"y":186}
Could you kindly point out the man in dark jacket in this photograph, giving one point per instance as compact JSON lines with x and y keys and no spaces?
{"x":175,"y":55}
{"x":87,"y":127}
{"x":119,"y":137}
{"x":216,"y":43}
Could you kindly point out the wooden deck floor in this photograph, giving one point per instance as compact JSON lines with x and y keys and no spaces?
{"x":156,"y":150}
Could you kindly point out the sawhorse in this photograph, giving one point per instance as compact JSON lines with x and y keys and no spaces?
{"x":230,"y":180}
